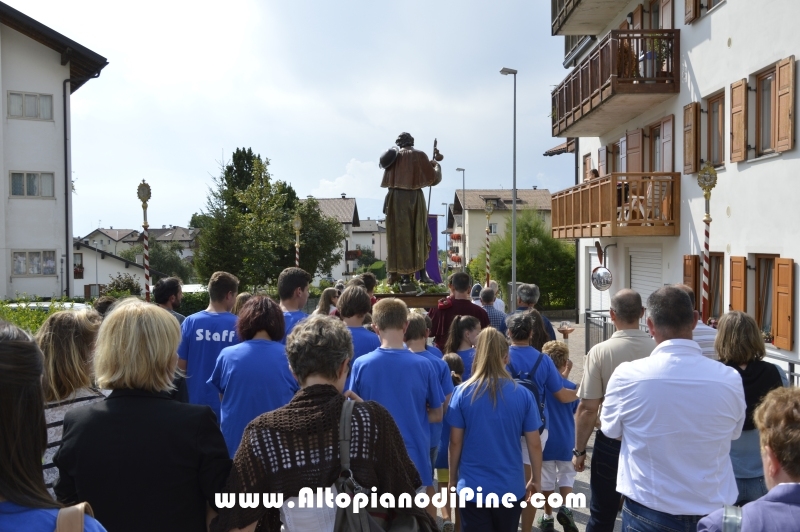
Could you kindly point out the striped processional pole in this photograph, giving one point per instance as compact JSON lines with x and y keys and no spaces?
{"x":143,"y":192}
{"x":707,"y":179}
{"x":297,"y":223}
{"x":488,"y":253}
{"x":488,"y":207}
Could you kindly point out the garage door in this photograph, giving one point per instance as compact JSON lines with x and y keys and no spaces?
{"x":645,"y":270}
{"x":599,"y":300}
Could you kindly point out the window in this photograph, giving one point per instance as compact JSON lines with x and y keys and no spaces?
{"x":655,"y":149}
{"x":655,"y":11}
{"x":32,"y":184}
{"x":77,"y":265}
{"x":30,"y":105}
{"x":716,"y":129}
{"x":765,"y":109}
{"x":715,"y":286}
{"x":587,"y":167}
{"x":616,"y":165}
{"x":33,"y":262}
{"x":765,"y":267}
{"x":492,"y":229}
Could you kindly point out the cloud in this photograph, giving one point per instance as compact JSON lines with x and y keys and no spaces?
{"x":361,"y":180}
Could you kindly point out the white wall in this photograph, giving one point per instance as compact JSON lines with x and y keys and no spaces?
{"x":365,"y":240}
{"x":32,"y":145}
{"x":754,"y":205}
{"x":99,"y":266}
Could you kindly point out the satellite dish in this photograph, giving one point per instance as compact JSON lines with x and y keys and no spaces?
{"x":601,"y":278}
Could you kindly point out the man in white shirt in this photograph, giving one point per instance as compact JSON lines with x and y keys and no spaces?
{"x":676,"y":412}
{"x":704,"y":335}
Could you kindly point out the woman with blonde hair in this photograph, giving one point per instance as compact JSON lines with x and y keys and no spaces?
{"x":66,"y":339}
{"x":142,"y":460}
{"x":487,"y":413}
{"x":327,"y":303}
{"x":241,"y":299}
{"x":740,"y":346}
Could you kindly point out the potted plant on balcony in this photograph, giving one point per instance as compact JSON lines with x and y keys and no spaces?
{"x":78,"y":271}
{"x":662,"y":50}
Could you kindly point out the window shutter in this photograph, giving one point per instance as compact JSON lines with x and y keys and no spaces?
{"x":667,"y":149}
{"x":739,"y":121}
{"x":634,"y":151}
{"x":690,"y":277}
{"x":785,"y":105}
{"x":691,"y":138}
{"x":587,"y":167}
{"x":623,"y":155}
{"x":782,"y":296}
{"x":602,"y":160}
{"x":691,"y":11}
{"x":738,"y":292}
{"x":666,"y":15}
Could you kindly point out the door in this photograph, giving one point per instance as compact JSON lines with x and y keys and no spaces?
{"x":645,"y":273}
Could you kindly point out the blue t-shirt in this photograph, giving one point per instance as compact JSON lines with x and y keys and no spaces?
{"x":364,"y":342}
{"x":547,"y":378}
{"x":406,"y":384}
{"x":467,"y":355}
{"x":446,"y":381}
{"x":203,"y":336}
{"x":560,"y":419}
{"x":491,"y":457}
{"x":16,"y":518}
{"x":434,"y":350}
{"x":253,"y":377}
{"x":292,"y":318}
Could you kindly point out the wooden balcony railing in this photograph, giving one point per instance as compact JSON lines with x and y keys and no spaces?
{"x":635,"y":62}
{"x":619,"y":204}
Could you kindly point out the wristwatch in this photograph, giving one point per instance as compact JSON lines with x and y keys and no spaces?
{"x":578,"y":453}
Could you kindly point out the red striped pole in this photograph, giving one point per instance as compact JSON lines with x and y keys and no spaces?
{"x":488,"y":260}
{"x":146,"y":237}
{"x":297,"y":255}
{"x":706,"y":311}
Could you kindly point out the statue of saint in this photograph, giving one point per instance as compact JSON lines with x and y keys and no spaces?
{"x":406,"y":173}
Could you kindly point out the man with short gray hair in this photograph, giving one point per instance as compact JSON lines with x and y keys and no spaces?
{"x":527,"y":297}
{"x":676,"y":413}
{"x":626,"y":344}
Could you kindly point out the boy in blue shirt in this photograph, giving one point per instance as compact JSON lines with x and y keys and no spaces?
{"x":204,"y":335}
{"x":293,"y":286}
{"x":353,"y":305}
{"x":405,"y":383}
{"x":557,"y":468}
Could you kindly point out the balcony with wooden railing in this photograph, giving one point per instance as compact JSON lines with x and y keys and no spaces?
{"x":583,"y":17}
{"x":627,"y":73}
{"x":619,"y":204}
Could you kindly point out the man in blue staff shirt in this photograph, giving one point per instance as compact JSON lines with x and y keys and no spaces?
{"x":293,"y":286}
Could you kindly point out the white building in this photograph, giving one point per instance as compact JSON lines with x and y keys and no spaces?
{"x":39,"y":69}
{"x":111,"y":240}
{"x":371,"y":234}
{"x":95,"y":267}
{"x":345,"y":211}
{"x":657,"y":91}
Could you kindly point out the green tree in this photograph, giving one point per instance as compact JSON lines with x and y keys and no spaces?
{"x":367,"y":257}
{"x":541,"y":259}
{"x":124,"y":284}
{"x":164,"y":258}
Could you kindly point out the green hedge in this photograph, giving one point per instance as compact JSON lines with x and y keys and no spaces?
{"x":194,"y":302}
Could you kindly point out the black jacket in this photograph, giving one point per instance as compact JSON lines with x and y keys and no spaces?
{"x":143,"y":461}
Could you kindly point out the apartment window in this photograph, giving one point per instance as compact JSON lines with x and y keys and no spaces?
{"x":33,"y":262}
{"x":77,"y":265}
{"x":617,"y":158}
{"x":492,"y":229}
{"x":765,"y":112}
{"x":716,"y":128}
{"x":765,"y":267}
{"x":655,"y":12}
{"x":655,"y":149}
{"x":30,"y":105}
{"x":715,"y":286}
{"x":32,"y":184}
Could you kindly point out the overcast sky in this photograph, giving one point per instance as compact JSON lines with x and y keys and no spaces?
{"x":320,"y":88}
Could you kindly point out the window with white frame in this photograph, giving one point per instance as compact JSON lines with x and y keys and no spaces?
{"x":31,"y":106}
{"x":38,"y":262}
{"x":32,"y":184}
{"x":492,"y":229}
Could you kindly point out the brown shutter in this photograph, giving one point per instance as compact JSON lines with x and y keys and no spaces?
{"x":623,"y":155}
{"x":739,"y":121}
{"x":665,"y":18}
{"x":634,"y":151}
{"x":637,"y":17}
{"x":587,"y":167}
{"x":738,"y":284}
{"x":667,"y":148}
{"x":602,"y":160}
{"x":782,"y":296}
{"x":785,"y":106}
{"x":691,"y":11}
{"x":690,"y":277}
{"x":691,"y":138}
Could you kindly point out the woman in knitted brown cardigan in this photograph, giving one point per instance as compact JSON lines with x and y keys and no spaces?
{"x":297,"y":446}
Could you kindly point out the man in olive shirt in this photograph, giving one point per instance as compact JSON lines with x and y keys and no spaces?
{"x":628,"y":343}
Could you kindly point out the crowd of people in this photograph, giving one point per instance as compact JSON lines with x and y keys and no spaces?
{"x":147,"y":415}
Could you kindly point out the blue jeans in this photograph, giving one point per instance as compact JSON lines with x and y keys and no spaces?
{"x":638,"y":518}
{"x":604,"y":503}
{"x":750,"y":489}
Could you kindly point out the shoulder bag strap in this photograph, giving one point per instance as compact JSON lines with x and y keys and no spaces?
{"x":70,"y":518}
{"x":536,"y":366}
{"x":345,"y":432}
{"x":732,"y":519}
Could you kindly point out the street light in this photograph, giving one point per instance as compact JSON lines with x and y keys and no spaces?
{"x":96,"y":283}
{"x":297,"y":223}
{"x":463,"y":219}
{"x":446,"y":247}
{"x":506,"y":72}
{"x":489,"y":208}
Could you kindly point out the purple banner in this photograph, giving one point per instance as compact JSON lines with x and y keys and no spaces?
{"x":432,"y":264}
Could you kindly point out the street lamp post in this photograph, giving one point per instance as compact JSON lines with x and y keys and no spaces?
{"x":505,"y":72}
{"x":463,"y":219}
{"x":143,"y":192}
{"x":446,"y":247}
{"x":297,"y":223}
{"x":96,"y":282}
{"x":489,"y":208}
{"x":706,"y":179}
